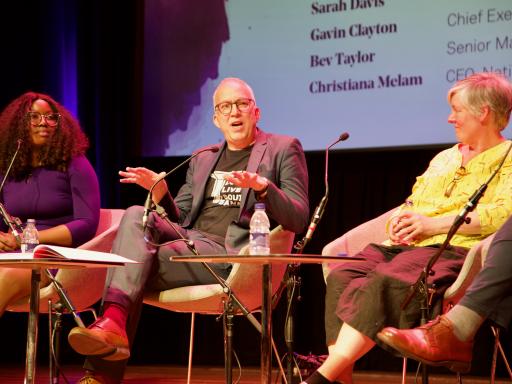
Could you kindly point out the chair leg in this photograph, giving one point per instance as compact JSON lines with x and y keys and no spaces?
{"x":497,"y":346}
{"x":496,"y":332}
{"x":191,"y":347}
{"x":404,"y":370}
{"x":505,"y":360}
{"x":278,"y":360}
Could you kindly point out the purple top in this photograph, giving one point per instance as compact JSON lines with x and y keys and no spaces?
{"x":52,"y":198}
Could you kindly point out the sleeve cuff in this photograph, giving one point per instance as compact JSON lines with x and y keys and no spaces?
{"x":261,"y":195}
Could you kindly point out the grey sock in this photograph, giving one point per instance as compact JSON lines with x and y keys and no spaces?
{"x":465,"y":322}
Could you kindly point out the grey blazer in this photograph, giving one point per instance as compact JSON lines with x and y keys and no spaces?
{"x":278,"y":158}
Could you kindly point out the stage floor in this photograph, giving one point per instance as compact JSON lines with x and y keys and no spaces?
{"x":215,"y":375}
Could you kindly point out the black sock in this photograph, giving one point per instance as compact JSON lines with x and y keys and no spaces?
{"x":317,"y":378}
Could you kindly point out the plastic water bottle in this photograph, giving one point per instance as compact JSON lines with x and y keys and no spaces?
{"x":30,"y":237}
{"x":259,"y":231}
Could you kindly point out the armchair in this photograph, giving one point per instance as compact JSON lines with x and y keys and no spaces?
{"x":74,"y":280}
{"x":244,"y":280}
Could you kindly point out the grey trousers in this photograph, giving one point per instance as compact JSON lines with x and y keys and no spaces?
{"x":126,"y":285}
{"x":490,"y":294}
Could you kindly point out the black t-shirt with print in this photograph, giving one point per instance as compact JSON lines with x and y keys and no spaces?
{"x":222,"y":199}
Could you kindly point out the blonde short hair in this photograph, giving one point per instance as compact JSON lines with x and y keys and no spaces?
{"x":486,"y":89}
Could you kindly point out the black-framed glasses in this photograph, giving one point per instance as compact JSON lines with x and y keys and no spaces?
{"x":52,"y":119}
{"x":243,"y":105}
{"x":459,"y":174}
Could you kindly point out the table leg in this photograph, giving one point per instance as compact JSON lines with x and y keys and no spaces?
{"x":33,"y":317}
{"x":266,"y":324}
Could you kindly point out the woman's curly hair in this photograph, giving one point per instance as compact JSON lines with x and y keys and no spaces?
{"x":67,"y":142}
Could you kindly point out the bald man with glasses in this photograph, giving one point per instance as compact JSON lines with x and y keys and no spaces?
{"x":213,"y":209}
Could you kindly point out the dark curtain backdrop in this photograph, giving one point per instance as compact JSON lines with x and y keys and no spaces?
{"x":88,"y":55}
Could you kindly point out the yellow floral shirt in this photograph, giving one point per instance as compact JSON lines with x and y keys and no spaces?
{"x":429,"y":192}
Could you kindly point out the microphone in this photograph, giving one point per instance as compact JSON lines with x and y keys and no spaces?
{"x":149,"y":199}
{"x":471,"y":204}
{"x":14,"y":225}
{"x":344,"y":136}
{"x":319,"y":211}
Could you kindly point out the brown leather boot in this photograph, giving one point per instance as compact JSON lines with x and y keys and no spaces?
{"x":433,"y":343}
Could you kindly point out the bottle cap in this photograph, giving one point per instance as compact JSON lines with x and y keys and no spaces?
{"x":31,"y":221}
{"x":259,"y":206}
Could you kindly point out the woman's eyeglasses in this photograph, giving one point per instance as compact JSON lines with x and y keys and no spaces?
{"x":459,"y":174}
{"x":52,"y":119}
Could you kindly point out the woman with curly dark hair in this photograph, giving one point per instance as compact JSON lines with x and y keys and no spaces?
{"x":51,"y":181}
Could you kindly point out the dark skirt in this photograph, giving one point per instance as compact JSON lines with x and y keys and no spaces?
{"x":368,"y":295}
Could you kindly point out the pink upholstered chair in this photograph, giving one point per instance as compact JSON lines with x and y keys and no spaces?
{"x":83,"y":286}
{"x":244,"y":280}
{"x":353,"y":241}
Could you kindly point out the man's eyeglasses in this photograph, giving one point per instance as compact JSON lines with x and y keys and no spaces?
{"x":243,"y":105}
{"x":459,"y":174}
{"x":52,"y":119}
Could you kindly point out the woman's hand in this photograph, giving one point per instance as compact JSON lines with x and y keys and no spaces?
{"x":8,"y":242}
{"x":145,"y":178}
{"x":391,"y":228}
{"x":409,"y":227}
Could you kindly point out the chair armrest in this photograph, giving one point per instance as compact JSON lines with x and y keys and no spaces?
{"x":103,"y":241}
{"x":472,"y":265}
{"x":353,"y":241}
{"x":106,"y":232}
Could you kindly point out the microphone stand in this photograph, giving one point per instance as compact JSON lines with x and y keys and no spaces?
{"x":64,"y":299}
{"x":55,"y":312}
{"x":420,"y":287}
{"x":13,"y":224}
{"x":229,"y":309}
{"x":421,"y":284}
{"x":293,"y":285}
{"x":293,"y":280}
